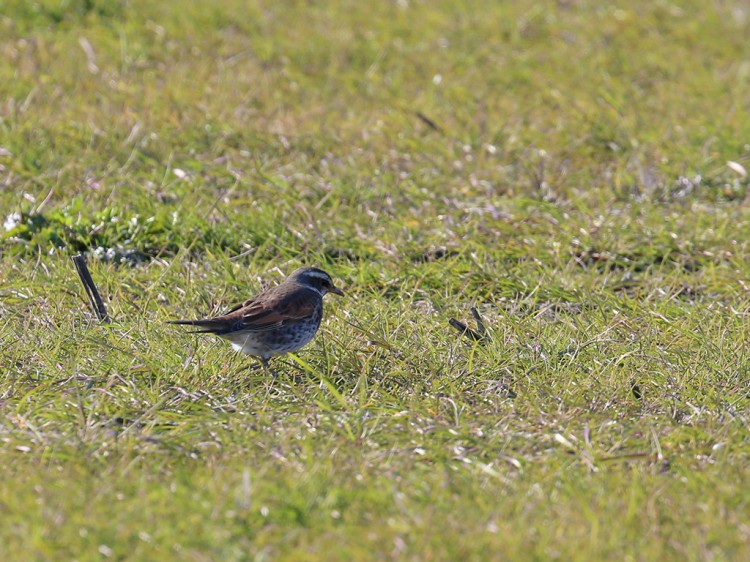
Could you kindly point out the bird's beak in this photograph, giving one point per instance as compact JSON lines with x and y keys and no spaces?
{"x":337,"y":291}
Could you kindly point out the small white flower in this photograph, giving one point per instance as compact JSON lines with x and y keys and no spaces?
{"x":12,"y":221}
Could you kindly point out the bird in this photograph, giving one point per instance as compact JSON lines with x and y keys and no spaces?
{"x":277,"y":321}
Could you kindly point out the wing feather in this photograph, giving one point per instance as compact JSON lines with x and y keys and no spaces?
{"x":259,"y":315}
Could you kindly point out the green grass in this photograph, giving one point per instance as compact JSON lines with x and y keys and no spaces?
{"x":562,"y":166}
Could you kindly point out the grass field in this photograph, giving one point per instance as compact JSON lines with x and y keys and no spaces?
{"x":573,"y":169}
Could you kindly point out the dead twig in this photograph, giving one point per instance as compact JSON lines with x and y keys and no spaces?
{"x":429,"y":122}
{"x":93,"y":294}
{"x":479,"y":335}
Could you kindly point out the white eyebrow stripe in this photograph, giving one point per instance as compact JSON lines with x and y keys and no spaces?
{"x":318,"y":274}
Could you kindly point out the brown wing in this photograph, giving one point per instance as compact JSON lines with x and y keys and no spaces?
{"x":222,"y":324}
{"x":265,"y":312}
{"x":236,"y":307}
{"x":272,"y":313}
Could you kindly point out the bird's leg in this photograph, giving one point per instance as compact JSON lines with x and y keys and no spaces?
{"x":267,"y":367}
{"x":251,"y":367}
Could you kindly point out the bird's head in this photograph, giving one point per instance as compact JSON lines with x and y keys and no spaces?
{"x":315,"y":279}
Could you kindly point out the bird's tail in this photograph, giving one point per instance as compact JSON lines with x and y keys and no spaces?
{"x":206,"y":326}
